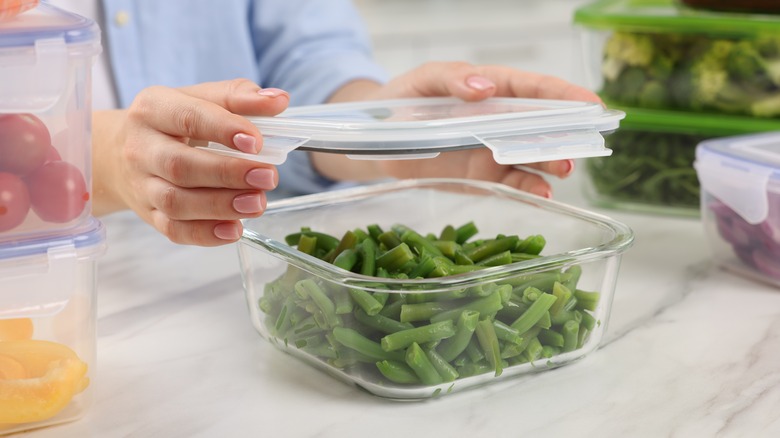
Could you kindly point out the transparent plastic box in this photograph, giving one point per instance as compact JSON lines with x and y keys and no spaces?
{"x":47,"y":328}
{"x":661,"y":54}
{"x":483,"y":323}
{"x":651,"y":167}
{"x":740,"y":204}
{"x":46,"y":57}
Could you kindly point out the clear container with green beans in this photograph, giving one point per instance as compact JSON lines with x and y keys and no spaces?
{"x":651,"y":166}
{"x":419,"y":288}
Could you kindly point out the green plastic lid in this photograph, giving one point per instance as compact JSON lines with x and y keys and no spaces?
{"x":686,"y":122}
{"x":668,"y":16}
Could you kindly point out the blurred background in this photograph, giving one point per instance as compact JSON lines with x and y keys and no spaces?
{"x":534,"y":35}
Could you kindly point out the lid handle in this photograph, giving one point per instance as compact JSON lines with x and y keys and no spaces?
{"x":274,"y":151}
{"x":742,"y":186}
{"x":545,"y":146}
{"x":33,"y":81}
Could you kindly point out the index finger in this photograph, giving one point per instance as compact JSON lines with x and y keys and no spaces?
{"x":511,"y":82}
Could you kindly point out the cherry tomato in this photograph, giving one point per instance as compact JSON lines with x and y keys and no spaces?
{"x":14,"y":201}
{"x":24,"y":143}
{"x":58,"y":191}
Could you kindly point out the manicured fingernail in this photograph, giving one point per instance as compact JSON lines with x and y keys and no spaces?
{"x":480,"y":83}
{"x":547,"y":194}
{"x":271,"y":92}
{"x":226,"y":231}
{"x":248,"y":203}
{"x":567,"y":167}
{"x":245,"y":143}
{"x":262,"y":179}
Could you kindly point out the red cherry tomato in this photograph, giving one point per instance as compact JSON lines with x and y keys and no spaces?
{"x":24,"y":143}
{"x":58,"y":191}
{"x":14,"y":201}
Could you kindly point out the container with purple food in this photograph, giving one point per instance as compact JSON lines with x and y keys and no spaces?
{"x":740,"y":185}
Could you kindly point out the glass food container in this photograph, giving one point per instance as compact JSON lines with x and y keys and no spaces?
{"x":421,"y":288}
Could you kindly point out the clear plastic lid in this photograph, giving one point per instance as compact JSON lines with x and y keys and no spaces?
{"x":46,"y":22}
{"x":738,"y":170}
{"x":516,"y":130}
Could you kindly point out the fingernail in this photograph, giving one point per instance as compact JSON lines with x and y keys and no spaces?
{"x":480,"y":83}
{"x":245,"y":143}
{"x":271,"y":92}
{"x":567,"y":167}
{"x":226,"y":231}
{"x":248,"y":203}
{"x":547,"y":194}
{"x":262,"y":179}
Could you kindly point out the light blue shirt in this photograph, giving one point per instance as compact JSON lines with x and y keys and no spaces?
{"x":309,"y":48}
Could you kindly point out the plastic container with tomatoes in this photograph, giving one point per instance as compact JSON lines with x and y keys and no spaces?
{"x":46,"y":56}
{"x":47,"y":328}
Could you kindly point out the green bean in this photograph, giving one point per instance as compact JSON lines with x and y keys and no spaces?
{"x":446,"y":371}
{"x":551,"y":338}
{"x":492,"y":247}
{"x":473,"y":351}
{"x":451,"y":347}
{"x":448,"y":233}
{"x":324,"y":241}
{"x":587,"y":300}
{"x":570,"y":332}
{"x":531,"y":245}
{"x":549,"y":351}
{"x":573,"y":277}
{"x":420,"y":335}
{"x":418,"y":361}
{"x":420,"y":244}
{"x":534,"y":350}
{"x":545,"y":321}
{"x":354,"y":340}
{"x":348,"y":241}
{"x":308,"y":288}
{"x":368,"y":252}
{"x":563,"y":295}
{"x":423,"y":268}
{"x":307,"y":244}
{"x":366,"y":301}
{"x":513,"y":350}
{"x":374,"y":230}
{"x":486,"y":336}
{"x":398,"y":372}
{"x":389,"y":239}
{"x":448,"y":248}
{"x":393,"y":310}
{"x":534,"y":313}
{"x":506,"y":333}
{"x":342,"y":302}
{"x":381,"y":323}
{"x":486,"y":306}
{"x":588,"y":321}
{"x":422,"y":311}
{"x":396,"y":257}
{"x":465,"y":232}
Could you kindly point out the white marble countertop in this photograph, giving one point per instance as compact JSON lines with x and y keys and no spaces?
{"x":690,"y":351}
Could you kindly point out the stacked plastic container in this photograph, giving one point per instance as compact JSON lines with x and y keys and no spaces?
{"x":49,"y":242}
{"x":682,"y":75}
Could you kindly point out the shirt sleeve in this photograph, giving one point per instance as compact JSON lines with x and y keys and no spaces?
{"x":310,"y":48}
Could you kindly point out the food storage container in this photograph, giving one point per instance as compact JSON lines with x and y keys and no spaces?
{"x":651,"y":167}
{"x":516,"y":130}
{"x":740,"y":203}
{"x":47,"y":328}
{"x":420,"y":288}
{"x":658,"y":54}
{"x":46,"y":57}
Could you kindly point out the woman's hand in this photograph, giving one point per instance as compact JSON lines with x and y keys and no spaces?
{"x":144,"y":159}
{"x":470,"y":83}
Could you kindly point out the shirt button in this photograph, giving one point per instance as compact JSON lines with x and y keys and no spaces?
{"x":121,"y":18}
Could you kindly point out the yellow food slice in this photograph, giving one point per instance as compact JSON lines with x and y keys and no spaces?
{"x":16,"y":329}
{"x":54,"y":374}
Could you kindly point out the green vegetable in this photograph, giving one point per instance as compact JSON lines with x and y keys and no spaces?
{"x":402,"y":334}
{"x":693,"y":72}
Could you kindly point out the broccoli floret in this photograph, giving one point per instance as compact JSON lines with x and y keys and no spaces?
{"x":746,"y":63}
{"x":630,"y":48}
{"x":653,"y":95}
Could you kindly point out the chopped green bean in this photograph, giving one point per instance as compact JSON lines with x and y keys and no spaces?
{"x":420,"y":335}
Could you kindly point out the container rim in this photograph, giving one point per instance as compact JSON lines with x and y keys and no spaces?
{"x":623,"y":237}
